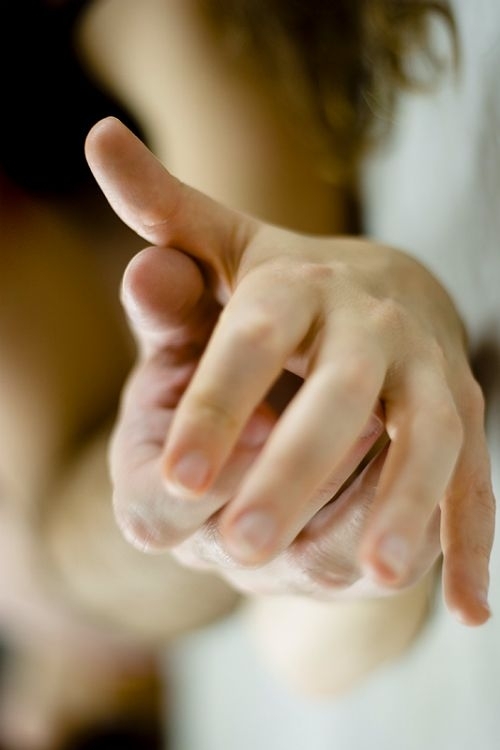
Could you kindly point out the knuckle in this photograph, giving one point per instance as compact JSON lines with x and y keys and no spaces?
{"x":318,"y":274}
{"x":258,"y":331}
{"x":144,"y":533}
{"x":390,"y":316}
{"x":209,"y":546}
{"x":359,"y":373}
{"x":208,"y":406}
{"x":317,"y":569}
{"x":149,"y":518}
{"x":206,"y":549}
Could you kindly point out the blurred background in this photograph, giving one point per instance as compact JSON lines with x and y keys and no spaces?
{"x":63,"y":252}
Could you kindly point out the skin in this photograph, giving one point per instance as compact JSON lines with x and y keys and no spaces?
{"x":55,"y":380}
{"x":360,"y":323}
{"x":248,"y":157}
{"x":69,"y":583}
{"x":173,"y":298}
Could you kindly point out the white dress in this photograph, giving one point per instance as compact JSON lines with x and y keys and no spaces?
{"x":434,"y":191}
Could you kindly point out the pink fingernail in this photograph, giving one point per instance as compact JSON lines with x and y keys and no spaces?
{"x":374,"y":426}
{"x":191,"y":472}
{"x":253,"y":532}
{"x":256,"y":431}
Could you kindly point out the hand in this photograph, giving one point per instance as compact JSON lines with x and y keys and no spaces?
{"x":366,"y":327}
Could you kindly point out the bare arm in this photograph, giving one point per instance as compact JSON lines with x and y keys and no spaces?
{"x":65,"y":354}
{"x":297,"y":200}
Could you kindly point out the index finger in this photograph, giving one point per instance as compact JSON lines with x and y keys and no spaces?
{"x":159,"y":207}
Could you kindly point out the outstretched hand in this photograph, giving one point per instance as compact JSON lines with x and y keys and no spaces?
{"x":205,"y":464}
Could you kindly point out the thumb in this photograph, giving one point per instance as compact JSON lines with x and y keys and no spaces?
{"x":160,"y":208}
{"x":167,"y":301}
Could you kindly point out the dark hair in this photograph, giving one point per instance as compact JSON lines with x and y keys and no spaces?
{"x":49,"y":102}
{"x":338,"y":64}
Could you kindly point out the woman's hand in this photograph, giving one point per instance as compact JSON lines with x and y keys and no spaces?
{"x":201,"y":461}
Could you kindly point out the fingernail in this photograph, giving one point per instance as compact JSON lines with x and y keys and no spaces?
{"x":252,"y":533}
{"x":374,"y":426}
{"x":483,"y":601}
{"x":256,"y":431}
{"x":394,"y":554}
{"x":190,"y":473}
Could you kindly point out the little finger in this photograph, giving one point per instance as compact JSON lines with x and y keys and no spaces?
{"x":426,"y":436}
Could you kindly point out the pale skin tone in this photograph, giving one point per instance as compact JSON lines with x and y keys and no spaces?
{"x":346,"y":316}
{"x":172,"y":299}
{"x":63,"y":609}
{"x":281,"y":187}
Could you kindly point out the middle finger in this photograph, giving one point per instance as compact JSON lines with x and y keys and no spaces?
{"x":331,"y":413}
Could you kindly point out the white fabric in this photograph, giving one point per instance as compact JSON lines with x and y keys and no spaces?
{"x":435,"y":191}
